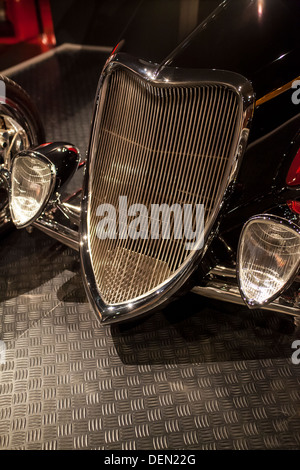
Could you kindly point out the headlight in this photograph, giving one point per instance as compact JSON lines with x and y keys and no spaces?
{"x":32,"y":180}
{"x":268,"y":258}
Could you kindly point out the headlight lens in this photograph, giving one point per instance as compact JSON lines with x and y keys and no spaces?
{"x":268,"y":258}
{"x":32,"y":181}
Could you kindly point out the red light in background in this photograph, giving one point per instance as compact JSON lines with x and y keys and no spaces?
{"x":31,"y":21}
{"x":48,"y":36}
{"x":294,"y":206}
{"x":293,"y":176}
{"x":22,"y":15}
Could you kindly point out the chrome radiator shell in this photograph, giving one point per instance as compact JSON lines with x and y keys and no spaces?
{"x":112,"y":308}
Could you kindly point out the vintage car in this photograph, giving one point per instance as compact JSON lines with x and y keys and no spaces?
{"x":211,"y":122}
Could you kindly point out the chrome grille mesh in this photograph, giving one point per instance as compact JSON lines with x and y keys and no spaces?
{"x":155,"y":144}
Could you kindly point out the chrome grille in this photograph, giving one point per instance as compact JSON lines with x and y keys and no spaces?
{"x":155,"y":144}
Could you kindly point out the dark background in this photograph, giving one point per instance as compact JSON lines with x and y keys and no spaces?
{"x":104,"y":22}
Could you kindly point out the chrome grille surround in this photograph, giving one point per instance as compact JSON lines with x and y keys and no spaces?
{"x":107,"y":306}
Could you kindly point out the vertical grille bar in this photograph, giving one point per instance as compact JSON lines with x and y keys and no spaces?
{"x":156,"y":144}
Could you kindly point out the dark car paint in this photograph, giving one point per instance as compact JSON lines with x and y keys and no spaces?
{"x":237,"y":37}
{"x":248,"y":42}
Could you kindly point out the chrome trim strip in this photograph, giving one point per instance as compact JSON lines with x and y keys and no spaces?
{"x":71,"y":211}
{"x":59,"y":232}
{"x":165,"y":77}
{"x":223,"y":272}
{"x":60,"y":219}
{"x":219,"y":290}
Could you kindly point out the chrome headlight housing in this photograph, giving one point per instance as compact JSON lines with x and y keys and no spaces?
{"x":268,"y":258}
{"x":32,"y":182}
{"x":37,"y":175}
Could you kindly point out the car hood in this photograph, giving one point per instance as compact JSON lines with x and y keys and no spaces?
{"x":255,"y":38}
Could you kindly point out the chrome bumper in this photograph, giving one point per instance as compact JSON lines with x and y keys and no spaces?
{"x":62,"y":233}
{"x":222,"y":285}
{"x":61,"y":218}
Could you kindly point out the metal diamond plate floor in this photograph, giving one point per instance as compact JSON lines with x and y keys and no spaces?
{"x":198,"y":375}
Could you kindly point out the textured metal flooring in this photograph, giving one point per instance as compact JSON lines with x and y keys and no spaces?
{"x":198,"y":375}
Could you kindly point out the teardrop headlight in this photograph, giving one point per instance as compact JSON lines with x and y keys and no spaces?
{"x":37,"y":175}
{"x":268,"y":258}
{"x":32,"y":182}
